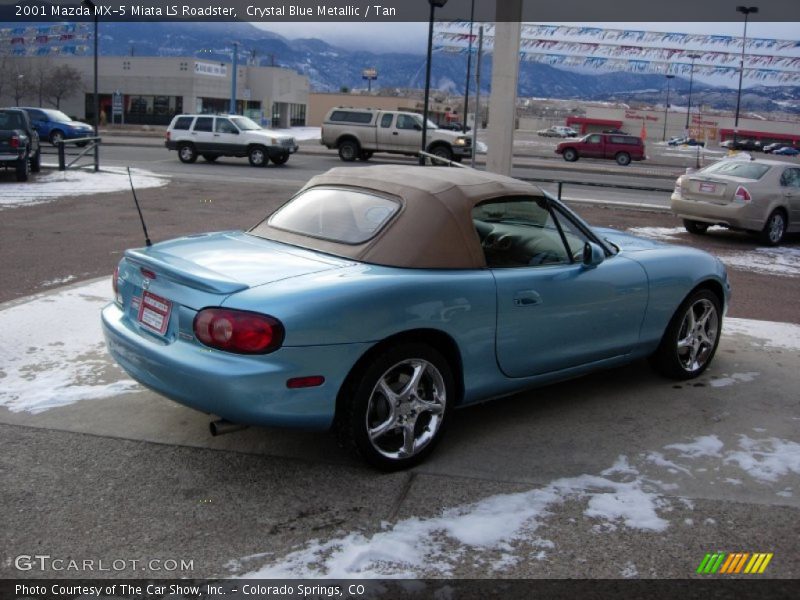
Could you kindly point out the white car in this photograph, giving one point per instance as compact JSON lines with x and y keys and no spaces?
{"x":212,"y":136}
{"x":557,"y":131}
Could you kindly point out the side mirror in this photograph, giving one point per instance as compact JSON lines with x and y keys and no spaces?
{"x":593,"y":255}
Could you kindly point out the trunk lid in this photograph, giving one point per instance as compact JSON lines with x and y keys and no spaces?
{"x":201,"y":270}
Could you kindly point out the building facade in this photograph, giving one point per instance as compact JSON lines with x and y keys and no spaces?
{"x":151,"y":90}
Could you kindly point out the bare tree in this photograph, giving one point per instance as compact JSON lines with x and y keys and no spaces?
{"x":21,"y":79}
{"x":64,"y":82}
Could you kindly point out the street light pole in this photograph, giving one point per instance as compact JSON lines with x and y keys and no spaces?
{"x":232,"y":104}
{"x":666,"y":108}
{"x":746,"y":11}
{"x":691,"y":78}
{"x":434,"y":4}
{"x":469,"y":69}
{"x":96,"y":121}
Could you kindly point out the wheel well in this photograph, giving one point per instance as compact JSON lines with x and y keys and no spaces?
{"x":348,"y":138}
{"x":251,"y":146}
{"x":438,"y":340}
{"x":568,"y":148}
{"x":440,"y":144}
{"x":715,"y":287}
{"x":185,"y":144}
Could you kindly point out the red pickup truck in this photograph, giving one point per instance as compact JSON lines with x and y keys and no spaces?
{"x":622,"y":148}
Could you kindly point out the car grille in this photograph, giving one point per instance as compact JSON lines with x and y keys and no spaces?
{"x":288,"y":142}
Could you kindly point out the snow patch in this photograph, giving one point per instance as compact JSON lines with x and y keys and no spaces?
{"x":629,"y":571}
{"x":732,"y":379}
{"x":46,"y":188}
{"x":706,"y":445}
{"x":768,"y":333}
{"x":767,"y":459}
{"x":783,"y":261}
{"x":53,"y":352}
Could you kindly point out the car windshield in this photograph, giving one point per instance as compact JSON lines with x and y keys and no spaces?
{"x":245,"y":124}
{"x":56,"y":115}
{"x":737,"y":168}
{"x":336,"y":214}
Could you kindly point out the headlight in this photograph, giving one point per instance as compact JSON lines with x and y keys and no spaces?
{"x":462,"y":141}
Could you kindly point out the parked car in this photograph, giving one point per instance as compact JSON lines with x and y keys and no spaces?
{"x":379,"y":299}
{"x":357,"y":133}
{"x":684,"y":141}
{"x":622,"y":148}
{"x":787,"y":151}
{"x":747,"y":144}
{"x":761,"y":196}
{"x":770,"y":148}
{"x":557,"y":131}
{"x":212,"y":136}
{"x":55,"y":126}
{"x":19,"y":143}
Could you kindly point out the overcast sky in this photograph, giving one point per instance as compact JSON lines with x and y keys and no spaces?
{"x":412,"y":37}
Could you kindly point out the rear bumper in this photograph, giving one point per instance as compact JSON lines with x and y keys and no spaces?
{"x":736,"y":216}
{"x":242,"y":389}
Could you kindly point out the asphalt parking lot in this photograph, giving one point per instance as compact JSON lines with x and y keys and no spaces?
{"x":618,"y":474}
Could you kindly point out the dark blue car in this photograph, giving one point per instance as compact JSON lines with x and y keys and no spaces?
{"x":55,"y":126}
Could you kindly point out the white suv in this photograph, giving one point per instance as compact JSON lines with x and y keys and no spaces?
{"x":212,"y":136}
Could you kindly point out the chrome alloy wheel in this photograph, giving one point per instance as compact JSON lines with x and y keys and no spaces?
{"x":697,"y":336}
{"x":406,"y":408}
{"x":776,"y":228}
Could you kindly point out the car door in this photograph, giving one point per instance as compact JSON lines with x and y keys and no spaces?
{"x":554,"y":312}
{"x":593,"y":146}
{"x":790,"y":188}
{"x":409,"y":133}
{"x":39,"y":122}
{"x":387,"y":133}
{"x":202,"y":134}
{"x":227,"y":139}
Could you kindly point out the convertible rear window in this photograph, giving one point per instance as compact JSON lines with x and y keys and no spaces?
{"x":336,"y":214}
{"x":738,"y":168}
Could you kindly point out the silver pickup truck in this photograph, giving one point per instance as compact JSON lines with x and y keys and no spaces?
{"x":359,"y":132}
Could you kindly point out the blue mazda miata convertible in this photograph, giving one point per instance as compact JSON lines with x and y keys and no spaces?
{"x":378,"y":299}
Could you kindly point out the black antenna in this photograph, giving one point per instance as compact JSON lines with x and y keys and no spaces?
{"x":141,"y":218}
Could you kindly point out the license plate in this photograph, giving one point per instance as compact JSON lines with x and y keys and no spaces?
{"x":708,"y":188}
{"x":154,"y":312}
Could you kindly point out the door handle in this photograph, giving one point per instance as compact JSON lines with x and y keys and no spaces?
{"x":395,"y":133}
{"x":216,"y":135}
{"x":527,"y":298}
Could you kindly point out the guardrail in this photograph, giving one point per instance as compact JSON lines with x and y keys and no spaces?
{"x":84,"y":146}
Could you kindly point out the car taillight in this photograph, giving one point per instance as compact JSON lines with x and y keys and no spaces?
{"x":115,"y":285}
{"x":167,"y":135}
{"x":678,"y":183}
{"x":238,"y":331}
{"x":14,"y":141}
{"x":742,"y":194}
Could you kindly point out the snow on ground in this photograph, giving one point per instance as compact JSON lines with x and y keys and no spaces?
{"x":733,"y":379}
{"x":46,"y":188}
{"x":782,"y":260}
{"x":629,"y":495}
{"x":768,"y":333}
{"x":53,"y":352}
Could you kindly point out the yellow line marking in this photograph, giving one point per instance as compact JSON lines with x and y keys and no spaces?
{"x":765,"y":563}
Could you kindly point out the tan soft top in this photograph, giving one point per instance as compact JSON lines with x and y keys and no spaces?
{"x":432,"y":230}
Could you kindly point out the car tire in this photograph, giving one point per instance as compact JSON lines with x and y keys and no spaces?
{"x":365,"y":155}
{"x":349,"y":150}
{"x":36,"y":161}
{"x":691,"y":338}
{"x":623,"y":159}
{"x":695,"y":227}
{"x":210,"y":157}
{"x":279,"y":159}
{"x":387,"y":424}
{"x":570,"y":155}
{"x":186,"y":153}
{"x":442,"y":152}
{"x":774,"y":229}
{"x":23,"y":169}
{"x":56,"y":137}
{"x":258,"y":156}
